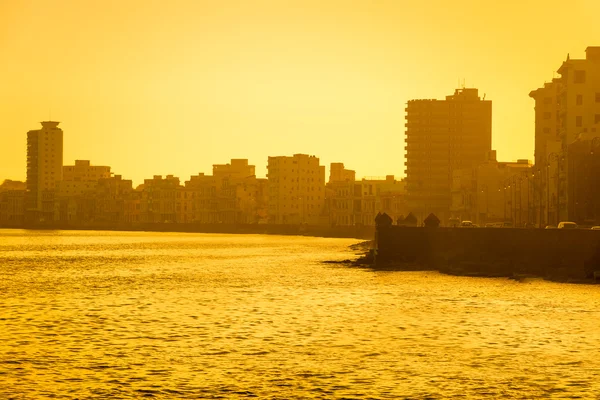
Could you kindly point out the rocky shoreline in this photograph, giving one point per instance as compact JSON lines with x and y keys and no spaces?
{"x":365,"y":259}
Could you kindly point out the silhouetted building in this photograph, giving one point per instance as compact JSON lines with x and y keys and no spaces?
{"x":159,"y":199}
{"x":351,"y":202}
{"x":569,"y":105}
{"x":232,"y":195}
{"x":338,"y":173}
{"x":495,"y":193}
{"x":81,"y":177}
{"x":112,"y":194}
{"x":199,"y":203}
{"x":385,"y":195}
{"x":44,"y":169}
{"x":464,"y":192}
{"x":584,"y":179}
{"x":547,"y":119}
{"x":342,"y":195}
{"x":12,"y":202}
{"x":443,"y":136}
{"x":9,"y":184}
{"x":296,"y":189}
{"x":236,"y":192}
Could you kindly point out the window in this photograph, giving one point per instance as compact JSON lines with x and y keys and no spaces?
{"x":546,"y":130}
{"x":596,"y":118}
{"x":547,"y":115}
{"x":579,"y":76}
{"x":598,"y":97}
{"x":547,"y":100}
{"x":579,"y":100}
{"x":578,"y":121}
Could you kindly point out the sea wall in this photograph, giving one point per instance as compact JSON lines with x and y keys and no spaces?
{"x":358,"y":232}
{"x":549,"y":253}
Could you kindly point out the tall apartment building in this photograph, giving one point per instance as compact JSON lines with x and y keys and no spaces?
{"x":44,"y":167}
{"x":442,"y":136}
{"x":570,"y":105}
{"x":296,"y":189}
{"x":548,"y":147}
{"x":547,"y":139}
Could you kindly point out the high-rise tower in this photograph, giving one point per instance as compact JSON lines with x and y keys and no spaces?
{"x":443,"y":136}
{"x":44,"y":164}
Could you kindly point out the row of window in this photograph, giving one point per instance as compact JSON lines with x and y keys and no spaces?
{"x":307,"y":198}
{"x":578,"y":99}
{"x":579,"y":120}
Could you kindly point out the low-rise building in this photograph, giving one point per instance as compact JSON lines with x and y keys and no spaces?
{"x":342,"y":194}
{"x":495,"y":192}
{"x":12,"y":206}
{"x":296,"y":190}
{"x":159,"y":199}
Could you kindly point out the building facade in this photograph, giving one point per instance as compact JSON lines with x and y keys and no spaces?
{"x":584,"y":179}
{"x":342,"y":196}
{"x":443,"y":136}
{"x":296,"y":190}
{"x":80,"y":178}
{"x":570,"y":105}
{"x":159,"y":199}
{"x":44,"y":169}
{"x":12,"y":202}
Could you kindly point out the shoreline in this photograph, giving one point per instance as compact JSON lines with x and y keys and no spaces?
{"x":366,"y":260}
{"x":340,"y":232}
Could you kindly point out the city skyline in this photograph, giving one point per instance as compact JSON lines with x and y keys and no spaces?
{"x":299,"y":199}
{"x":173,"y":90}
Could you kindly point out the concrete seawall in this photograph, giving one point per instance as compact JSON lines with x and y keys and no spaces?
{"x":553,"y":253}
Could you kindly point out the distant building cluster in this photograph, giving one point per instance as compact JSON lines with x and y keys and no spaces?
{"x":451,"y":172}
{"x":295,"y":192}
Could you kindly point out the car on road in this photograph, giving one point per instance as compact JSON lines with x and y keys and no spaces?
{"x":567,"y":225}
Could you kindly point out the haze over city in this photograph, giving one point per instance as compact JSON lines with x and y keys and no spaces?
{"x":299,"y":199}
{"x":154,"y":88}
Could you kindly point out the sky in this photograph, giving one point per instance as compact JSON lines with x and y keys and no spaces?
{"x":155,"y":87}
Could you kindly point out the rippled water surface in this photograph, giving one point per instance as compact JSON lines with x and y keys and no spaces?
{"x":130,"y":315}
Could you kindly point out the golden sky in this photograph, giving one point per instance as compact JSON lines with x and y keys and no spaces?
{"x":172,"y":87}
